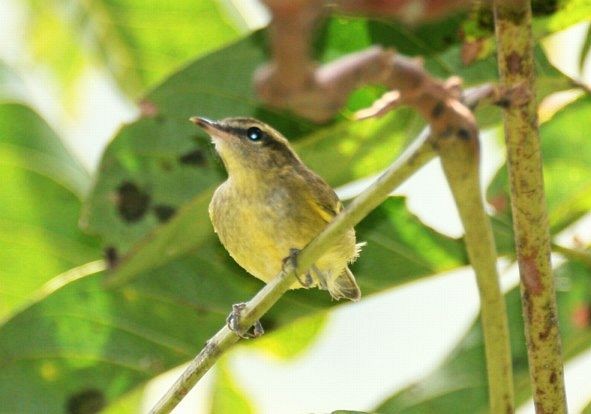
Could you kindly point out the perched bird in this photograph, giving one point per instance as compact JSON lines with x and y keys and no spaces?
{"x":272,"y":205}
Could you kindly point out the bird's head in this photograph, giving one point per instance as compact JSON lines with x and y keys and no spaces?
{"x":247,"y":145}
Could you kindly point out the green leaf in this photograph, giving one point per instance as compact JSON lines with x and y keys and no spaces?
{"x":130,"y":403}
{"x":566,"y":152}
{"x":294,"y":339}
{"x":558,"y":15}
{"x":461,"y":380}
{"x":39,"y":207}
{"x":138,"y":41}
{"x":227,"y":396}
{"x":86,"y":340}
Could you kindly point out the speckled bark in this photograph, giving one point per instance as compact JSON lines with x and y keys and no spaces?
{"x":532,"y":239}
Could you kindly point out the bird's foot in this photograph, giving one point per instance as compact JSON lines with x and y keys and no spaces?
{"x":292,"y":260}
{"x":233,"y":322}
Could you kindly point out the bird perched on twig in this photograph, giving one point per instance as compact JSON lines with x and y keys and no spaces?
{"x":272,"y":205}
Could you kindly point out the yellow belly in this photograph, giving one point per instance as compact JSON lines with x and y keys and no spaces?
{"x":259,"y":235}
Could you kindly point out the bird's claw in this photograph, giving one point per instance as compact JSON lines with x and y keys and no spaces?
{"x":292,"y":260}
{"x":233,"y":322}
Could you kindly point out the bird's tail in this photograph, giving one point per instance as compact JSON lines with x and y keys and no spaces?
{"x":344,"y":286}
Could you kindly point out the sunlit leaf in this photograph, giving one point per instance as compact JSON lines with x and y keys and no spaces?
{"x":137,"y":41}
{"x":292,"y":340}
{"x":559,"y":15}
{"x":39,"y":207}
{"x":130,"y":403}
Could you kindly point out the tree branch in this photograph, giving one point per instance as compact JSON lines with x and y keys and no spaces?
{"x":528,"y":203}
{"x":292,"y":80}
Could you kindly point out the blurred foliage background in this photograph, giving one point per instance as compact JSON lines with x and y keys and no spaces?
{"x":71,"y":344}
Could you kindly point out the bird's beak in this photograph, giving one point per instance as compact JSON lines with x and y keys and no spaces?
{"x":208,"y":125}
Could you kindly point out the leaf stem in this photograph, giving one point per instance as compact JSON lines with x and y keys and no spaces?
{"x":528,"y":203}
{"x":460,"y":161}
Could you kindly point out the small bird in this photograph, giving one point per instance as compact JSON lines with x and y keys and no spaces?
{"x":272,"y":206}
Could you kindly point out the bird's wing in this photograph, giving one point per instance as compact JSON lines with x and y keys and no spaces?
{"x":321,"y":197}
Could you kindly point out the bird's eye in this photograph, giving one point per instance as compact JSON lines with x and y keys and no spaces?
{"x":254,"y":134}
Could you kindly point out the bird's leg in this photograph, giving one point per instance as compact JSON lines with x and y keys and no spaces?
{"x":292,"y":259}
{"x":233,"y":322}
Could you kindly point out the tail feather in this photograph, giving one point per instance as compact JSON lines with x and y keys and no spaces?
{"x":344,"y":286}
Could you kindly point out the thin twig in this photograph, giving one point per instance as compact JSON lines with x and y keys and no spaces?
{"x":528,"y":203}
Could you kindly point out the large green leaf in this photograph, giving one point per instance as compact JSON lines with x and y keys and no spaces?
{"x":461,"y":380}
{"x":566,"y":151}
{"x":86,"y":343}
{"x":39,"y":206}
{"x":138,"y":41}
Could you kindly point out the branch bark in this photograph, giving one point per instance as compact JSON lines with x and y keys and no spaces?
{"x":532,"y":237}
{"x":292,"y":80}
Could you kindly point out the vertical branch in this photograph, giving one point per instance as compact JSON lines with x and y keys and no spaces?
{"x":460,"y":161}
{"x":532,"y":239}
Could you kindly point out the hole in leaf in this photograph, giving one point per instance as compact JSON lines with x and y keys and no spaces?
{"x":88,"y":401}
{"x":111,"y":256}
{"x":164,"y":212}
{"x":132,"y":203}
{"x":194,"y":158}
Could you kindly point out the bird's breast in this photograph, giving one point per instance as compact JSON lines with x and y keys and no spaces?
{"x":258,"y":228}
